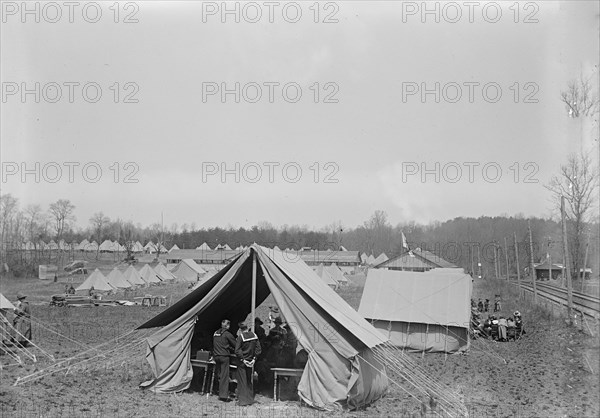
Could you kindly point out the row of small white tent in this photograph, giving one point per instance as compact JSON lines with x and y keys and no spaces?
{"x":85,"y":245}
{"x":206,"y":247}
{"x":371,"y":260}
{"x":130,"y":278}
{"x":331,"y":275}
{"x":185,"y":271}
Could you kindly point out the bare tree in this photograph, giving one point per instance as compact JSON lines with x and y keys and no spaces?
{"x":9,"y":206}
{"x":336,"y":229}
{"x":62,"y":213}
{"x":378,"y":232}
{"x":99,"y":221}
{"x":578,"y":183}
{"x":580,"y":98}
{"x":158,"y":237}
{"x":34,"y":216}
{"x":126,"y":233}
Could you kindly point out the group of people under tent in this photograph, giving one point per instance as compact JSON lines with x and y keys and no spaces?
{"x":254,"y":353}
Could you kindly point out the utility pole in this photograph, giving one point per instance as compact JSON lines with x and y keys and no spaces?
{"x":517,"y":260}
{"x":549,"y":265}
{"x":473,"y":265}
{"x":532,"y":269}
{"x":496,"y":267}
{"x":506,"y":258}
{"x":587,"y":247}
{"x":479,"y":263}
{"x":566,"y":257}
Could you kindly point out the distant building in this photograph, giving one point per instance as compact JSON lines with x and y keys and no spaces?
{"x":201,"y":257}
{"x":542,"y":270}
{"x":327,"y":257}
{"x":223,"y":257}
{"x":415,"y":260}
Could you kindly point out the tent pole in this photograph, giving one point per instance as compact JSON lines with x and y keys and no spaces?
{"x":252,"y":310}
{"x":425,"y":345}
{"x":446,"y":344}
{"x":407,"y":337}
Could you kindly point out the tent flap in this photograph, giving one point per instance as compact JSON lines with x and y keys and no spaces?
{"x":169,"y":359}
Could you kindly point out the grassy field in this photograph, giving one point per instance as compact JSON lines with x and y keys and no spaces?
{"x":547,"y":373}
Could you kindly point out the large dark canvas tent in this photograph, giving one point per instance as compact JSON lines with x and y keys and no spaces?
{"x":420,"y":311}
{"x":342,"y":367}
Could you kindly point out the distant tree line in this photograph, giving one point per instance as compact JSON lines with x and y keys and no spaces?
{"x":465,"y":242}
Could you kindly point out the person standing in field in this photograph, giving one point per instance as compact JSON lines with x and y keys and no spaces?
{"x":223,"y":345}
{"x":497,"y":304}
{"x":247,"y":348}
{"x":486,"y":305}
{"x":22,"y":320}
{"x":480,"y":306}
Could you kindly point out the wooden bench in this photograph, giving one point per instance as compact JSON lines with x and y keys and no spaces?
{"x":281,"y":371}
{"x":205,"y":364}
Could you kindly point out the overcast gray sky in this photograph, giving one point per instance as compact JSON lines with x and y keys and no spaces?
{"x":369,"y":143}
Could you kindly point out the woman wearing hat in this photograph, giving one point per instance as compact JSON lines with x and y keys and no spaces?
{"x":22,"y":321}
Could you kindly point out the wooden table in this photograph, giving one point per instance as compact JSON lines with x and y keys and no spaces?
{"x":205,"y":364}
{"x":280,"y":371}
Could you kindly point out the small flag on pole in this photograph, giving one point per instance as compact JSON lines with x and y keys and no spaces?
{"x":404,"y":243}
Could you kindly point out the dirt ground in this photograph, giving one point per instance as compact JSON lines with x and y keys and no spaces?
{"x":548,"y":373}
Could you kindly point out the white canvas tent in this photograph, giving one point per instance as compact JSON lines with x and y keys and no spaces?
{"x":163,"y":274}
{"x":117,"y":280}
{"x":337,"y":275}
{"x":204,"y":246}
{"x":419,"y":311}
{"x":133,"y":277}
{"x":82,"y":246}
{"x":323,"y":273}
{"x":174,"y":247}
{"x":5,"y":303}
{"x":148,"y":275}
{"x":342,"y":367}
{"x":29,"y":246}
{"x":107,"y":246}
{"x":138,"y":247}
{"x":188,"y":270}
{"x":150,"y":247}
{"x":93,"y":246}
{"x":97,"y":281}
{"x":380,"y":259}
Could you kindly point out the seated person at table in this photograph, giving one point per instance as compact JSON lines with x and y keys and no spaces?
{"x":277,"y":332}
{"x":301,"y":359}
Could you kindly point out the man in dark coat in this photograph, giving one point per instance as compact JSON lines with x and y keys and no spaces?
{"x":22,"y":320}
{"x":223,"y":345}
{"x":247,"y":348}
{"x":259,"y":330}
